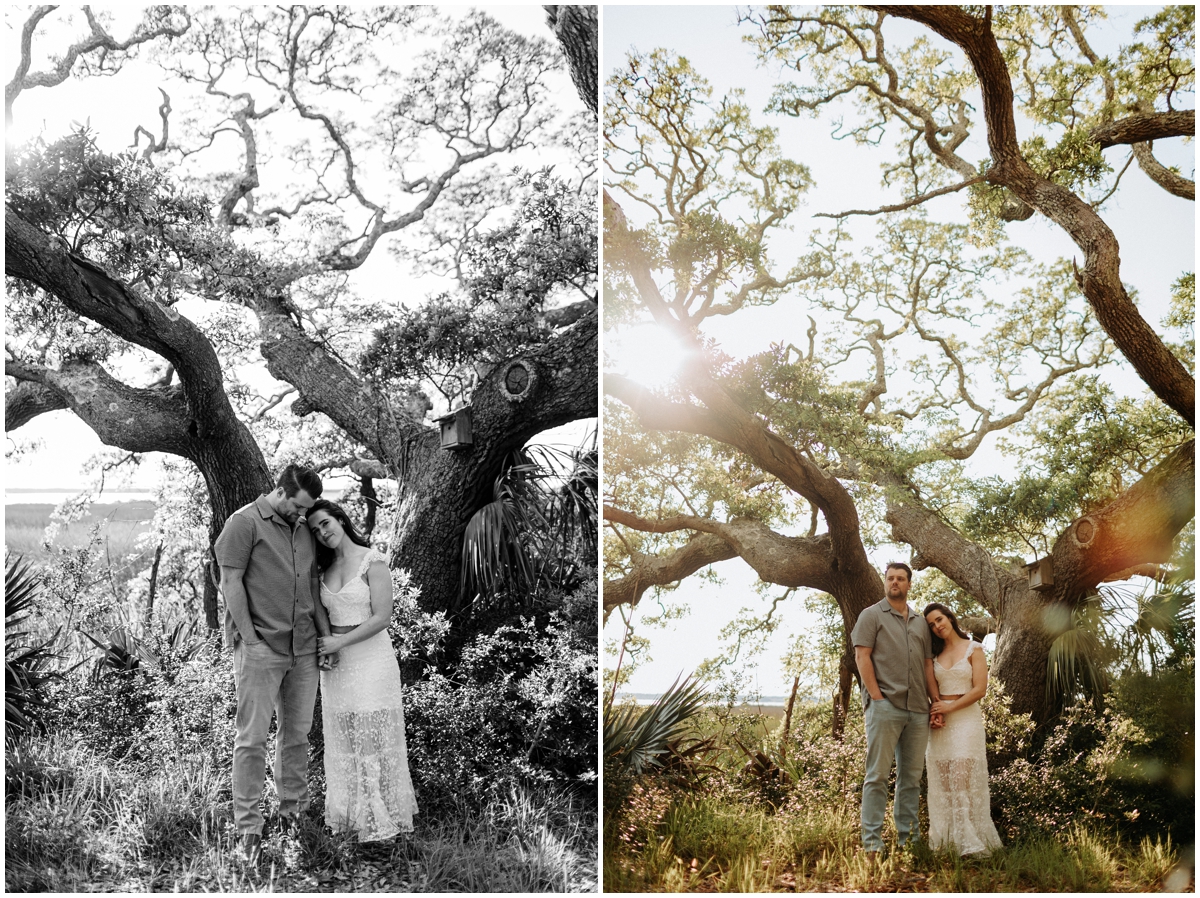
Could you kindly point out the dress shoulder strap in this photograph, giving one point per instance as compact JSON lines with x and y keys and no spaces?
{"x":370,"y":558}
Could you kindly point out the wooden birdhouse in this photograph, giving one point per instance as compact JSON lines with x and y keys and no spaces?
{"x":456,"y":428}
{"x":1041,"y":574}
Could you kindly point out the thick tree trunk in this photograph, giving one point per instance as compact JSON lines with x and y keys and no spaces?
{"x":440,"y":489}
{"x":193,"y":420}
{"x":1135,"y":528}
{"x":577,"y":29}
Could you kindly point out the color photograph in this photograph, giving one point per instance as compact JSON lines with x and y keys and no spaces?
{"x":898,"y":449}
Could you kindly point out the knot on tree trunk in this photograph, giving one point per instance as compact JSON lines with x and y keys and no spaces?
{"x":1083,"y":532}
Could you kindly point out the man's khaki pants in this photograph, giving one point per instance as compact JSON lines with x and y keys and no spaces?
{"x":267,"y":683}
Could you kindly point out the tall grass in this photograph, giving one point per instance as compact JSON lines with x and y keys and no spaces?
{"x":75,"y":821}
{"x":705,"y":845}
{"x":121,"y":523}
{"x":734,"y":830}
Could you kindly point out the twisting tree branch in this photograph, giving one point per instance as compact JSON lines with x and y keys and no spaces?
{"x":908,"y":204}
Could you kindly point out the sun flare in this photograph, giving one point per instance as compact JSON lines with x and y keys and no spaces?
{"x":645,"y":353}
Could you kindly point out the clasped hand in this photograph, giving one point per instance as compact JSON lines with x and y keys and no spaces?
{"x":328,"y":649}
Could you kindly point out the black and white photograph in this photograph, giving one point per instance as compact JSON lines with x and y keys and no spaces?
{"x":302,"y":460}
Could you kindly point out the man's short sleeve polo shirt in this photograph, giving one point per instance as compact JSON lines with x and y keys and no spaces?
{"x":279,"y":562}
{"x":898,"y":652}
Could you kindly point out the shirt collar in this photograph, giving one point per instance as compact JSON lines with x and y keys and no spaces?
{"x":885,"y":605}
{"x":267,"y":512}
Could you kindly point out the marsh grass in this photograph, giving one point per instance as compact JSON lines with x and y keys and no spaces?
{"x":75,"y":821}
{"x":121,"y":523}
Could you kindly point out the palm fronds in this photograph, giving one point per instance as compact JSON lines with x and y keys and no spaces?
{"x":638,"y":739}
{"x":541,"y":523}
{"x":1079,"y":656}
{"x":27,"y":670}
{"x":1164,"y":626}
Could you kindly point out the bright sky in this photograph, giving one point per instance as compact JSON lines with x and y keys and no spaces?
{"x":1155,"y":231}
{"x":62,"y":443}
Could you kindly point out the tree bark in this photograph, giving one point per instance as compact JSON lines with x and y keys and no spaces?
{"x":577,"y":29}
{"x":193,"y":420}
{"x":835,"y":562}
{"x":439,"y":489}
{"x":1136,"y":527}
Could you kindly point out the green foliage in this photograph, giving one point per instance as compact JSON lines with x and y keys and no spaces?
{"x":28,"y":666}
{"x":1068,"y":817}
{"x":549,"y":246}
{"x":76,"y":821}
{"x":1162,"y":69}
{"x":1077,"y":452}
{"x":122,"y":212}
{"x":714,"y":183}
{"x":509,"y":274}
{"x":1090,"y":770}
{"x":638,"y":739}
{"x":167,"y":695}
{"x":1076,"y":161}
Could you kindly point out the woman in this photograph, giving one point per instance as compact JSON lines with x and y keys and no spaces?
{"x":368,"y":789}
{"x":956,"y":760}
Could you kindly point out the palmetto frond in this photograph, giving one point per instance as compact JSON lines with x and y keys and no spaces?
{"x":1164,"y":619}
{"x":543,"y":517}
{"x":26,"y":667}
{"x":494,"y":555}
{"x":639,"y":739}
{"x":1079,"y":657}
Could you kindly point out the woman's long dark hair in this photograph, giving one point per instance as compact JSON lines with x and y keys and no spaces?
{"x":326,"y":555}
{"x":939,"y":644}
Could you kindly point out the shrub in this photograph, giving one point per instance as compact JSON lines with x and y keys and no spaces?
{"x":173,"y":696}
{"x":27,"y":673}
{"x":1076,"y":777}
{"x":519,"y":710}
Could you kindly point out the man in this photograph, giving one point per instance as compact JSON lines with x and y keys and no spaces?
{"x":273,"y":615}
{"x":894,"y":652}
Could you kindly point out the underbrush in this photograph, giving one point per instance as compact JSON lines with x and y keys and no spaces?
{"x":747,"y":817}
{"x":124,"y":783}
{"x":76,"y":820}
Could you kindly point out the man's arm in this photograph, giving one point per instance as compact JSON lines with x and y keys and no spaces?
{"x":931,"y":685}
{"x":235,"y":600}
{"x":866,"y":669}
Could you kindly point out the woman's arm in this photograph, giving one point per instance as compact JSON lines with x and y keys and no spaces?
{"x":329,"y":660}
{"x":379,"y":578}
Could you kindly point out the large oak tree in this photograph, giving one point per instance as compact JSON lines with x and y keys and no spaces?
{"x":731,"y":460}
{"x":295,"y":147}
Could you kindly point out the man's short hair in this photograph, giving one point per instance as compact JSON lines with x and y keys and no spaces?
{"x":297,"y":477}
{"x":900,"y":566}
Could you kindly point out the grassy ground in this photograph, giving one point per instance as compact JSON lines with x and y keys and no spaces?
{"x":76,"y":822}
{"x":121,"y":523}
{"x":708,"y":845}
{"x":726,"y":828}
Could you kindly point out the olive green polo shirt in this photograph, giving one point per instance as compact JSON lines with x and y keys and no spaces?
{"x":898,"y":652}
{"x":280,"y":576}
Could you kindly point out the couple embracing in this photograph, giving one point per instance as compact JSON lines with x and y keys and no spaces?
{"x":308,"y":600}
{"x":922,"y":680}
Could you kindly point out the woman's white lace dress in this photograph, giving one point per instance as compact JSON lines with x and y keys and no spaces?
{"x":956,"y":765}
{"x":368,"y":789}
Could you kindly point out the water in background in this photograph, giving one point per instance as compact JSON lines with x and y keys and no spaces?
{"x":53,"y":497}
